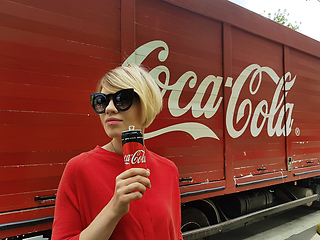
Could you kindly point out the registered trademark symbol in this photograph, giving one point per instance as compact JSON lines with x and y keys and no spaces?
{"x":297,"y":130}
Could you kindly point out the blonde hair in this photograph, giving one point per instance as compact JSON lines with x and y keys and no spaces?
{"x":136,"y":77}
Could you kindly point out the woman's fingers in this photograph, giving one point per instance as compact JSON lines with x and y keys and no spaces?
{"x":135,"y":179}
{"x":133,"y":172}
{"x":134,"y":175}
{"x":132,"y":180}
{"x":130,"y":185}
{"x":130,"y":193}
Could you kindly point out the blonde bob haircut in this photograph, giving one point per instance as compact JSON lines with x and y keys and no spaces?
{"x":136,"y":77}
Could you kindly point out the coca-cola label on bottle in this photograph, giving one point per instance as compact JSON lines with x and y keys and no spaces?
{"x":134,"y":155}
{"x":133,"y":149}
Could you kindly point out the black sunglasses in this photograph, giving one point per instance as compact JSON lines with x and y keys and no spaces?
{"x":122,"y":100}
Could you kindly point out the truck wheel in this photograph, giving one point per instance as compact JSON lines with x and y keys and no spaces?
{"x":192,"y":218}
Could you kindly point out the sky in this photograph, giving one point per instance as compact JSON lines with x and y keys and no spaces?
{"x":306,"y":12}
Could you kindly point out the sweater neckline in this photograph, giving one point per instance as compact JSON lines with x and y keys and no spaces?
{"x":104,"y":151}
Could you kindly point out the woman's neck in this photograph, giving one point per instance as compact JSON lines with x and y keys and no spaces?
{"x":116,"y":145}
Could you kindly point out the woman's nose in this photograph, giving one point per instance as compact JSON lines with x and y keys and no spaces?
{"x":111,"y":107}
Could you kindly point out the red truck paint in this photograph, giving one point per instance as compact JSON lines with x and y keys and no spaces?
{"x":241,"y":95}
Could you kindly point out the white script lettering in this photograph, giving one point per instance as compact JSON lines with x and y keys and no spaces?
{"x":136,"y":158}
{"x":273,"y":112}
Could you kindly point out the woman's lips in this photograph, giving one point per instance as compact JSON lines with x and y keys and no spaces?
{"x":113,"y":121}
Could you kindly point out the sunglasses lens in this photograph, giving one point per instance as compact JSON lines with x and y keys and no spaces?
{"x":99,"y":103}
{"x":123,"y":99}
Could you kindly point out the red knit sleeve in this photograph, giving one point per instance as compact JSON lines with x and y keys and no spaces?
{"x":174,"y":195}
{"x":176,"y":201}
{"x":67,"y":222}
{"x":178,"y":205}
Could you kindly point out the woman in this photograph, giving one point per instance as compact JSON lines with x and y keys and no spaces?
{"x":97,"y":198}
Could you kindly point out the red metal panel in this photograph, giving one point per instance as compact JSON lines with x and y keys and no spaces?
{"x":305,"y":135}
{"x":209,"y":189}
{"x":227,"y":71}
{"x":35,"y":157}
{"x":51,"y":57}
{"x":128,"y":30}
{"x":185,"y":34}
{"x":60,"y":24}
{"x":22,"y":183}
{"x":249,"y":21}
{"x":25,"y":215}
{"x":96,"y":11}
{"x":25,"y":200}
{"x":261,"y":180}
{"x":254,"y":153}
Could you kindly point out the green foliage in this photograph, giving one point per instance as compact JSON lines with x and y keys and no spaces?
{"x":281,"y":17}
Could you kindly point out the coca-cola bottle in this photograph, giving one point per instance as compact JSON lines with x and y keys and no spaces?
{"x":133,"y":149}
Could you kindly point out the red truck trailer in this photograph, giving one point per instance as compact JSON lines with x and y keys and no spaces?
{"x":241,"y":113}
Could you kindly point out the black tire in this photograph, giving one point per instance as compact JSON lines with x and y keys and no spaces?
{"x":192,"y":218}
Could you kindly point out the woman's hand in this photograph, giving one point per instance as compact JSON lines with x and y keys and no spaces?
{"x":130,"y":185}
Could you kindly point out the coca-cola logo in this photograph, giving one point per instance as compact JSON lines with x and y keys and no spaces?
{"x":136,"y":158}
{"x":273,"y":111}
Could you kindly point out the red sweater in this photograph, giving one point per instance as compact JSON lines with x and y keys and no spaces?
{"x":88,"y":184}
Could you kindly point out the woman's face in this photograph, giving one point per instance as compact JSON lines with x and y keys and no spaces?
{"x":115,"y":122}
